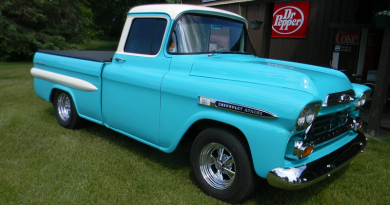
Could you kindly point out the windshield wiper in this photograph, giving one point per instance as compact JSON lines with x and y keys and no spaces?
{"x":241,"y":52}
{"x":219,"y":51}
{"x":225,"y":51}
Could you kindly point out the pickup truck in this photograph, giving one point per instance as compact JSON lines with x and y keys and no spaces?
{"x":188,"y":75}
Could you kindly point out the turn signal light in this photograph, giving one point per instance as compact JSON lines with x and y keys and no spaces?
{"x":308,"y":150}
{"x":302,"y":149}
{"x":358,"y":126}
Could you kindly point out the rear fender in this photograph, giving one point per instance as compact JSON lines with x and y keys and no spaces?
{"x":81,"y":97}
{"x":46,"y":90}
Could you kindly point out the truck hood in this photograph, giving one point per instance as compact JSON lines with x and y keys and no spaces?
{"x":315,"y":80}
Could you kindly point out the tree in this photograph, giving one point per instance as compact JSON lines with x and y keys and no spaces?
{"x":110,"y":15}
{"x":29,"y":25}
{"x":174,"y":1}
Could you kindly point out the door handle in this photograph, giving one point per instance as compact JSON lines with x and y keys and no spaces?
{"x":119,"y":59}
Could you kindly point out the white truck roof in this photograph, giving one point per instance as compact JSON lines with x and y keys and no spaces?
{"x":174,"y":10}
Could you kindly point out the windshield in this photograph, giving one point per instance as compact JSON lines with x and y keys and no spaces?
{"x":195,"y":33}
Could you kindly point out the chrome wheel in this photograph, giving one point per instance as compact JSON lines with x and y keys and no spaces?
{"x":65,"y":110}
{"x":222,"y":164}
{"x":64,"y":107}
{"x":217,"y":166}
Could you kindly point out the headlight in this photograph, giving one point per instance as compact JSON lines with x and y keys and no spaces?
{"x":307,"y":116}
{"x":362,"y":100}
{"x":310,"y":115}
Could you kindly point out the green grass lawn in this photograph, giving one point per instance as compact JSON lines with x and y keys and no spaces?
{"x":43,"y":163}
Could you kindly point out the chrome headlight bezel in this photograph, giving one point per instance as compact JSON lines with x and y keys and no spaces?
{"x":307,"y":116}
{"x":362,"y":99}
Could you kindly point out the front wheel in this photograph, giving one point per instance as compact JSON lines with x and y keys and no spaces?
{"x":65,"y":111}
{"x":222,"y":165}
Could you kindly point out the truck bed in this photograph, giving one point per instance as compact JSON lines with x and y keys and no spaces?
{"x":98,"y":56}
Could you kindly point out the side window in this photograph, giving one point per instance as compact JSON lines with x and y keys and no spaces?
{"x":145,"y":36}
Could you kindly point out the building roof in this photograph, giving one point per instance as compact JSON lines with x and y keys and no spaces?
{"x":174,"y":10}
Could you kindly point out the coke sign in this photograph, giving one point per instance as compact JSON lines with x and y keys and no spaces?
{"x":290,"y":20}
{"x":347,"y":37}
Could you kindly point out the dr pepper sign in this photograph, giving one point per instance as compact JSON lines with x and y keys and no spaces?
{"x":290,"y":20}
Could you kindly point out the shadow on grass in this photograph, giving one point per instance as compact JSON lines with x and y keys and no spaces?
{"x":175,"y":160}
{"x":267,"y":193}
{"x":181,"y":160}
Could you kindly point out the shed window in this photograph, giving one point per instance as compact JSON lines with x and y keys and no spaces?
{"x":145,"y":36}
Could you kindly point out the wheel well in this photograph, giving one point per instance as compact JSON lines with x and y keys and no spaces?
{"x":53,"y":92}
{"x":199,"y":126}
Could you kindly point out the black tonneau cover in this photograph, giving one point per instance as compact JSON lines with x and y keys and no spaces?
{"x":99,"y":56}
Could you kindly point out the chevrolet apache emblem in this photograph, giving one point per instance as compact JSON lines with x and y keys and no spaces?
{"x":235,"y":107}
{"x":41,"y":63}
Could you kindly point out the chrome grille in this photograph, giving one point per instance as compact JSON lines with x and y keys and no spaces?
{"x":330,"y":126}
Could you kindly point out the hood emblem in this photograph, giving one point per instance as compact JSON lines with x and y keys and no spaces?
{"x":344,"y":98}
{"x":339,"y":98}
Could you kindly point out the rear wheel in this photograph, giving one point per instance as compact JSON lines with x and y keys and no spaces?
{"x":65,"y":111}
{"x":222,"y":165}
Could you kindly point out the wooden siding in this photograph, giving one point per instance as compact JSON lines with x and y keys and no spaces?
{"x":258,"y":37}
{"x":196,"y":2}
{"x":235,"y":8}
{"x":317,"y":47}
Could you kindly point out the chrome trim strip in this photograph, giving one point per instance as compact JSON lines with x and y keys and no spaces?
{"x":63,"y":79}
{"x":233,"y":107}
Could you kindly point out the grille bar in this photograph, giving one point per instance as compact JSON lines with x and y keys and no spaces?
{"x":330,"y":126}
{"x":330,"y":135}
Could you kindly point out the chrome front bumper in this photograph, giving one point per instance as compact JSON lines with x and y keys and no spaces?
{"x":313,"y":172}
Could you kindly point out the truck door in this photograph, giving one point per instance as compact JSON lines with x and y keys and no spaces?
{"x":131,"y":84}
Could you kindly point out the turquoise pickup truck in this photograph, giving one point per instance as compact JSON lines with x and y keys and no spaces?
{"x":187,"y":76}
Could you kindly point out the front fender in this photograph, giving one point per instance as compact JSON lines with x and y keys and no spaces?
{"x":266,"y":138}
